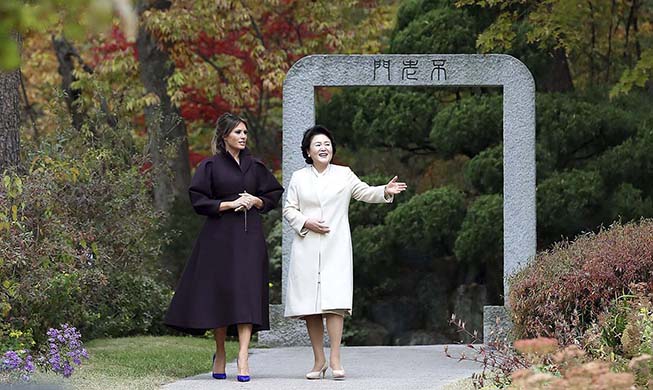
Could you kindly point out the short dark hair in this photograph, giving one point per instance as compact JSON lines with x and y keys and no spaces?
{"x":308,"y":136}
{"x":223,"y":127}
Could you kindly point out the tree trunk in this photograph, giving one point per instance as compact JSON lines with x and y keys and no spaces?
{"x":558,"y":78}
{"x":168,"y":143}
{"x":9,"y":119}
{"x":65,"y":54}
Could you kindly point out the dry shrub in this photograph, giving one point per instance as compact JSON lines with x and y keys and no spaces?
{"x":564,"y":290}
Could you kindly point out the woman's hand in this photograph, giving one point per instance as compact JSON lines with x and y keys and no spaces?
{"x":251,"y":200}
{"x":316,"y":226}
{"x":393,"y":187}
{"x":239,"y":204}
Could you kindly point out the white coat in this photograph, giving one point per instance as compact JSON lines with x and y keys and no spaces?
{"x":320,"y":275}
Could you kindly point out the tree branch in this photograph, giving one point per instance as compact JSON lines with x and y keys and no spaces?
{"x":215,"y":66}
{"x":65,"y":52}
{"x":28,"y":106}
{"x":257,"y":31}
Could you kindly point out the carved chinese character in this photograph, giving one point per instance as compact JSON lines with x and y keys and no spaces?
{"x":378,"y":64}
{"x":439,"y":66}
{"x":410,"y":70}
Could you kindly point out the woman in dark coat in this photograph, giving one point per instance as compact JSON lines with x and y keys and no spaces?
{"x":225,"y":284}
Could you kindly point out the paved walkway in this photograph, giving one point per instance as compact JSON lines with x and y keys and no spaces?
{"x":367,"y":368}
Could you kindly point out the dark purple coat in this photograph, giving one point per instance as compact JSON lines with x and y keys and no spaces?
{"x":225,"y":281}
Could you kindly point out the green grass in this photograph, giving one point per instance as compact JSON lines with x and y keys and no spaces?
{"x":141,"y":363}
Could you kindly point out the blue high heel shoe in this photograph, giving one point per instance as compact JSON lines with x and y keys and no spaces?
{"x":242,"y":378}
{"x":216,"y":375}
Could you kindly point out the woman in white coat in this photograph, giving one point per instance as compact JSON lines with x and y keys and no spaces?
{"x":320,"y":279}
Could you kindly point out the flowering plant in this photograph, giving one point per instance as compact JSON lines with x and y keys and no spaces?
{"x":16,"y":365}
{"x":65,"y":350}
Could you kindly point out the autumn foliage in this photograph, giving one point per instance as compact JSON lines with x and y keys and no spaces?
{"x":563,"y":290}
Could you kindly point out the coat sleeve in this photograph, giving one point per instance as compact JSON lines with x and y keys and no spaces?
{"x":291,"y":210}
{"x":363,"y":192}
{"x":201,"y":195}
{"x":269,"y":190}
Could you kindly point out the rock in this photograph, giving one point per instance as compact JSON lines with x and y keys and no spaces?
{"x":468,"y":302}
{"x":363,"y":332}
{"x":397,"y":315}
{"x":421,"y":337}
{"x":285,"y":332}
{"x":432,"y":295}
{"x":497,"y":325}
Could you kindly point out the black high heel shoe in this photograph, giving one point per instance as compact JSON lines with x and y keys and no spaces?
{"x":217,"y":375}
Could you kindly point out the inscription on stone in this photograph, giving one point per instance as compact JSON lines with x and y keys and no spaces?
{"x":381,"y":63}
{"x":439,"y":66}
{"x":410,"y":70}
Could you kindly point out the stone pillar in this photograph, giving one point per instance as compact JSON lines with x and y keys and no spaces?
{"x":437,"y":70}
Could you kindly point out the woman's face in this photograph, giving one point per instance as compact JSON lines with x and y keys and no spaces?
{"x":237,"y":138}
{"x":320,"y":149}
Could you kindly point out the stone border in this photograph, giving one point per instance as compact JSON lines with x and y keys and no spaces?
{"x":440,"y":70}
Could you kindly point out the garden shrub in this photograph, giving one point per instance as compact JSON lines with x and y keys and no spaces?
{"x":481,"y":235}
{"x":485,"y":171}
{"x":562,"y":291}
{"x":625,"y":329}
{"x":567,"y":202}
{"x":273,"y":239}
{"x":469,"y":127}
{"x":129,"y":304}
{"x":434,"y":231}
{"x":79,"y":238}
{"x":13,"y":339}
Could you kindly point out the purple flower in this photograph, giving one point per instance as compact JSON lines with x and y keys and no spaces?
{"x":65,"y":349}
{"x":67,"y":370}
{"x":17,"y":366}
{"x":29,"y":364}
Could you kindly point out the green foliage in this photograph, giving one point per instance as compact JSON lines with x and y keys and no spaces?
{"x":625,"y":331}
{"x":428,"y":221}
{"x":629,"y":162}
{"x":338,"y":115}
{"x":373,"y":258}
{"x":568,"y":202}
{"x":129,"y":304}
{"x":273,"y":239}
{"x":144,"y":362}
{"x":629,"y":203}
{"x":572,"y":128}
{"x":481,"y":235}
{"x":469,"y":126}
{"x":370,"y":214}
{"x":440,"y":30}
{"x":74,"y":17}
{"x":593,"y":155}
{"x":393,"y":118}
{"x":13,"y":339}
{"x":604,"y":50}
{"x":182,"y":226}
{"x":500,"y":35}
{"x":638,"y":76}
{"x":80,"y":237}
{"x":410,"y":10}
{"x":485,"y":171}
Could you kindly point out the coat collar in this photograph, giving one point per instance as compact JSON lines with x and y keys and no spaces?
{"x":245,"y":159}
{"x":318,"y":174}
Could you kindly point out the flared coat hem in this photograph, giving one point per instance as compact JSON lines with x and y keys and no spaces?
{"x":232,"y":328}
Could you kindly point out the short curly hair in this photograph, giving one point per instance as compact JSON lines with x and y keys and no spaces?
{"x":308,"y":136}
